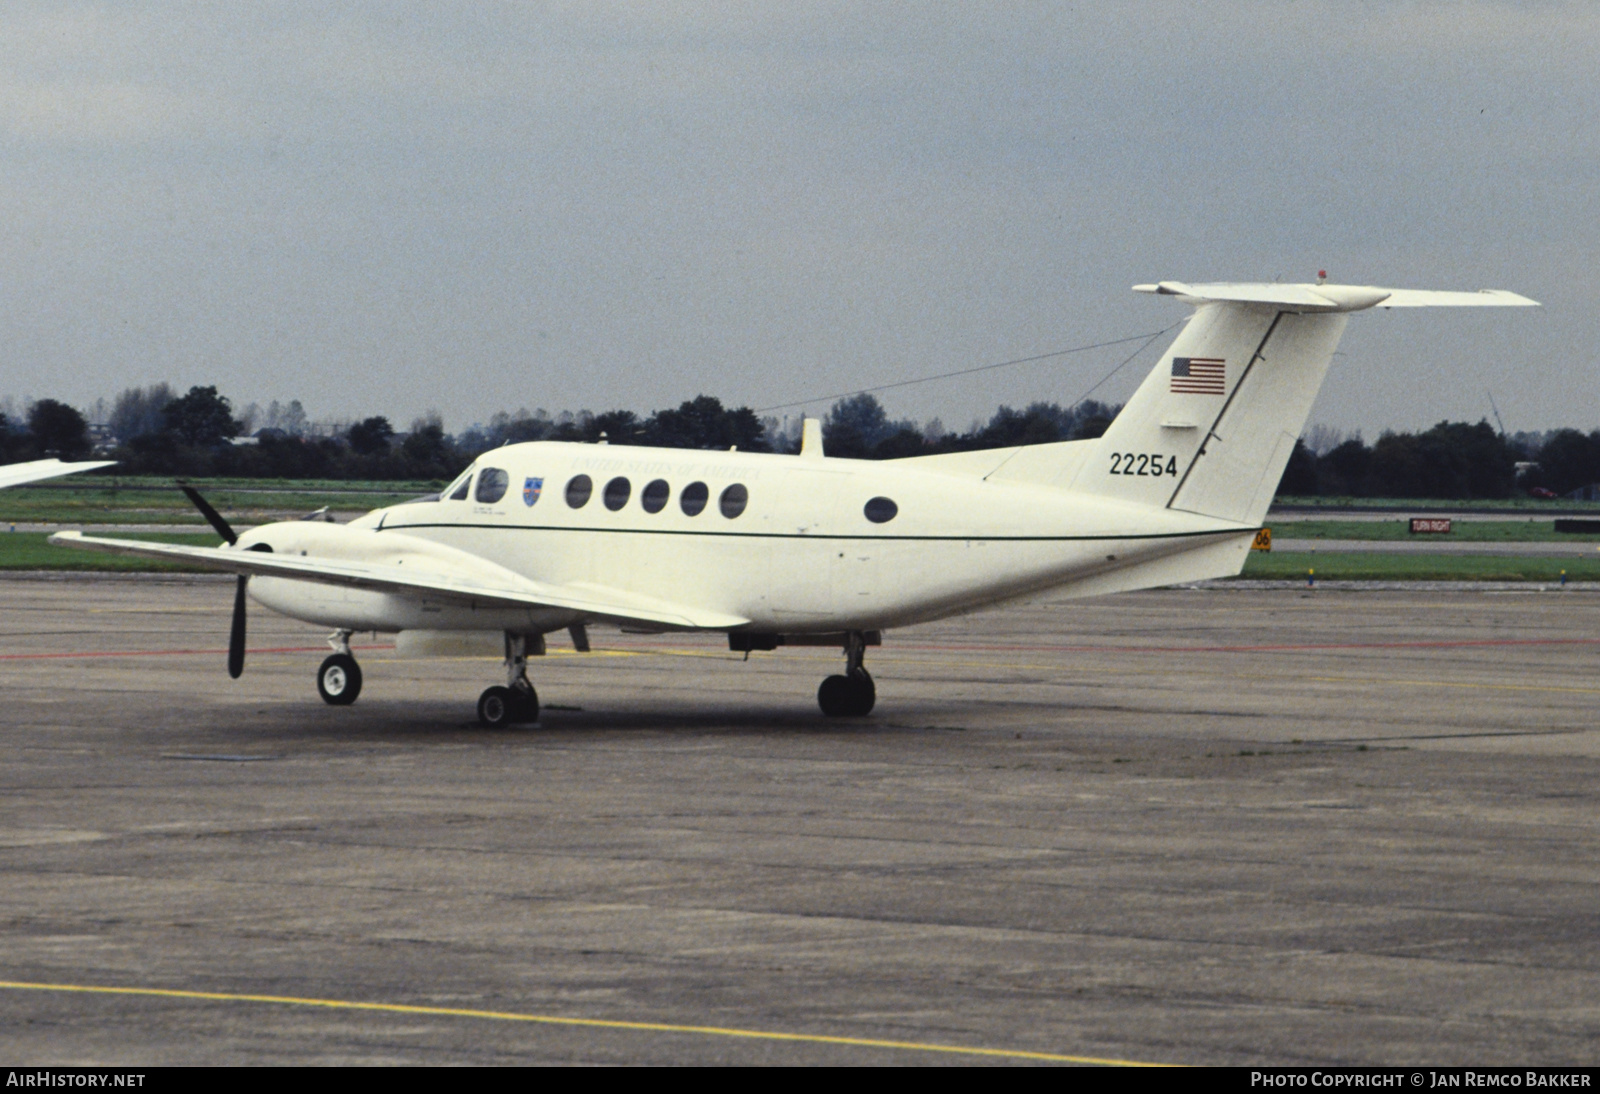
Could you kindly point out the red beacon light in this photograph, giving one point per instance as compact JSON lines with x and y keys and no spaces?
{"x":1322,"y":275}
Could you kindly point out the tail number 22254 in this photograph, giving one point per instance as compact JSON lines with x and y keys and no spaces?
{"x":1143,"y":463}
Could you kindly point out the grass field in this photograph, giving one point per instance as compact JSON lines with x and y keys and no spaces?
{"x":1337,"y":566}
{"x":145,"y":499}
{"x":102,"y":499}
{"x":1481,"y":531}
{"x":29,"y":551}
{"x":95,"y":479}
{"x":1423,"y":504}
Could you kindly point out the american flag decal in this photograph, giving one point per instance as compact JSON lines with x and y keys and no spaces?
{"x":1199,"y":376}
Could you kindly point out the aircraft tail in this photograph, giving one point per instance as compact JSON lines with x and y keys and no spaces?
{"x":1212,"y":427}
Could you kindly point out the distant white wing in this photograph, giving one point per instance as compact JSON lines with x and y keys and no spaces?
{"x":515,"y":592}
{"x":18,"y":473}
{"x":1335,"y":298}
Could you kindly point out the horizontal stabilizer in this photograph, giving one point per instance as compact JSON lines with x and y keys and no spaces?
{"x":513,"y":592}
{"x":1322,"y":297}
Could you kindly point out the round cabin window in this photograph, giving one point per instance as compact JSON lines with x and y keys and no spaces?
{"x":881,"y":510}
{"x":733,"y":500}
{"x":655,"y":495}
{"x":579,"y":488}
{"x":693,"y":501}
{"x":618,"y":490}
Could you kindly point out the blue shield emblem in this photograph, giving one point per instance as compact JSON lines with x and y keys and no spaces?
{"x":530,"y":490}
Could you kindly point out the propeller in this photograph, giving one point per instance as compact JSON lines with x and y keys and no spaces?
{"x":236,"y":634}
{"x":214,"y":518}
{"x":225,"y":530}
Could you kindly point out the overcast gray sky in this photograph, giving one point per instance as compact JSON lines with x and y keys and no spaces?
{"x":383,"y":208}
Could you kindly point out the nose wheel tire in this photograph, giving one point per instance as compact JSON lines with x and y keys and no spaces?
{"x":499,"y":707}
{"x":851,"y":696}
{"x":527,"y":706}
{"x":339,"y":680}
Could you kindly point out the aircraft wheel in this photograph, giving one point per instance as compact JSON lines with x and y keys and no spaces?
{"x":525,"y":705}
{"x":833,"y":696}
{"x":849,"y":696}
{"x":339,"y":680}
{"x":497,"y":708}
{"x":863,"y":693}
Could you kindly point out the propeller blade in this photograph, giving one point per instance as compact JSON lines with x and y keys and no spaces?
{"x":236,"y":638}
{"x":214,"y":518}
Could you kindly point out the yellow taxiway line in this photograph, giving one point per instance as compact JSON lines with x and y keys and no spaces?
{"x":556,"y":1020}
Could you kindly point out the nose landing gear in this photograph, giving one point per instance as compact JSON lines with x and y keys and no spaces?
{"x":853,"y":694}
{"x":339,"y":678}
{"x":516,"y":703}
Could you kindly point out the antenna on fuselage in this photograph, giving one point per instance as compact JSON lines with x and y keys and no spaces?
{"x":811,"y":438}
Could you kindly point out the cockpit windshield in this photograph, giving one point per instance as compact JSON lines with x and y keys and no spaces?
{"x":458,"y":489}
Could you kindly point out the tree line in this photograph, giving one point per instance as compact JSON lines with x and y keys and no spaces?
{"x":154,"y":430}
{"x":1457,"y":460}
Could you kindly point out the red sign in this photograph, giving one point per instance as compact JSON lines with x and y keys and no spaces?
{"x":1430,"y":525}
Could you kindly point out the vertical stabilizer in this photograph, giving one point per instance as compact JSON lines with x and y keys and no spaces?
{"x":1212,"y":427}
{"x":1206,"y":426}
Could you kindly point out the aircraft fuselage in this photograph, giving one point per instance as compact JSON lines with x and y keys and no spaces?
{"x":802,"y":554}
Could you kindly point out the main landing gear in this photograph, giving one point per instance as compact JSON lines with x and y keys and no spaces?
{"x":517,"y":702}
{"x":853,"y":694}
{"x":339,"y":678}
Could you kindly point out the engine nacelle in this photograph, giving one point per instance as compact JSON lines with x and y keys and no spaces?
{"x":346,"y":608}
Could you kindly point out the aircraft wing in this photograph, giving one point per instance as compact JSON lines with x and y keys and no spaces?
{"x":18,"y":473}
{"x":594,"y":601}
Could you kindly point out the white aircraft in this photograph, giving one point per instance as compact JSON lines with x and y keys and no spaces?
{"x":15,"y":474}
{"x":808,"y":550}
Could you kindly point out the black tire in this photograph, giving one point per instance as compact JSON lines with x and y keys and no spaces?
{"x":845,"y":696}
{"x":863,"y":693}
{"x":525,"y":710}
{"x":497,"y":708}
{"x":339,"y":680}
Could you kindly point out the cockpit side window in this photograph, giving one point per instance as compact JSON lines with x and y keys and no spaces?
{"x":491,"y":485}
{"x":458,"y":491}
